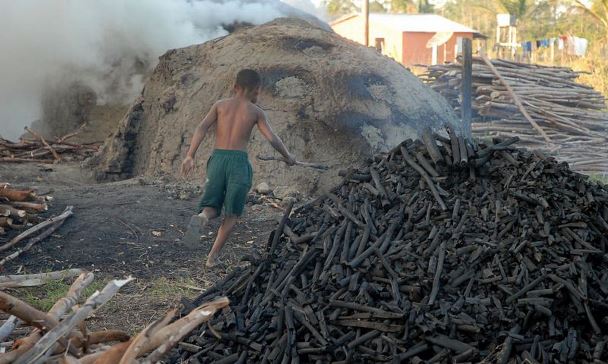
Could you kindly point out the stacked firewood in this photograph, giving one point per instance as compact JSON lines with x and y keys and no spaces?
{"x":60,"y":335}
{"x":40,"y":150}
{"x":20,"y":223}
{"x":570,"y":117}
{"x":18,"y":207}
{"x":440,"y":251}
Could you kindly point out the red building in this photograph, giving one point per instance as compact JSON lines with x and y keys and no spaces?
{"x":408,"y":38}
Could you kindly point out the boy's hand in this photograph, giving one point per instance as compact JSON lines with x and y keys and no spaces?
{"x":187,"y":166}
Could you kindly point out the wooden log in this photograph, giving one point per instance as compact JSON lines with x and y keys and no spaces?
{"x":66,"y":326}
{"x":41,"y":138}
{"x":279,"y":230}
{"x":431,"y":146}
{"x":43,"y":225}
{"x":31,"y":280}
{"x":17,"y":195}
{"x":25,"y":312}
{"x":8,"y":210}
{"x":34,"y":207}
{"x":516,"y":99}
{"x":141,"y":341}
{"x":438,"y":272}
{"x":74,"y":292}
{"x":105,"y":336}
{"x":167,"y":337}
{"x":426,"y":177}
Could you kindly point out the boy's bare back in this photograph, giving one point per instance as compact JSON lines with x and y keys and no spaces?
{"x":236,"y":118}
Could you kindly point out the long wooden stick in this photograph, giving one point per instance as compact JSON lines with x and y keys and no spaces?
{"x":141,"y":340}
{"x":516,"y":99}
{"x":55,"y":155}
{"x":76,"y":289}
{"x":25,"y":312}
{"x":53,"y":220}
{"x":165,"y":338}
{"x":7,"y":327}
{"x":319,"y":166}
{"x":408,"y":158}
{"x":67,"y":325}
{"x":31,"y":280}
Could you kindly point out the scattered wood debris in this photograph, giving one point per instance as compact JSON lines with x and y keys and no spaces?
{"x":18,"y":211}
{"x":438,"y":251}
{"x":564,"y":118}
{"x":60,"y":335}
{"x":40,"y":150}
{"x":18,"y":207}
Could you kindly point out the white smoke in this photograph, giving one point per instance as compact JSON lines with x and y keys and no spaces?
{"x":105,"y":44}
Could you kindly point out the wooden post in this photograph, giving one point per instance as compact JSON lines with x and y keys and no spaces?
{"x":467,"y":75}
{"x":366,"y":21}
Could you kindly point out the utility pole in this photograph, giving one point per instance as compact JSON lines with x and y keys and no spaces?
{"x":366,"y":21}
{"x":467,"y":77}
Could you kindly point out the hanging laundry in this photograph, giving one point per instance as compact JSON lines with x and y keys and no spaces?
{"x":570,"y":45}
{"x":560,"y":43}
{"x":542,"y":43}
{"x":580,"y":46}
{"x":564,"y":42}
{"x":576,"y":46}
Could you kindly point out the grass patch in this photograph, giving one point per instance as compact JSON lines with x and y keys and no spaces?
{"x":165,"y":289}
{"x":599,"y":178}
{"x":45,"y":296}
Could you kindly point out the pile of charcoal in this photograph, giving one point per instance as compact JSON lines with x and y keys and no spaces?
{"x":439,"y":251}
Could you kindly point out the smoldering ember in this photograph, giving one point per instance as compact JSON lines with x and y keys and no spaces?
{"x":421,"y":188}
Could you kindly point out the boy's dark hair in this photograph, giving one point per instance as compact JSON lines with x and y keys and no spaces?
{"x":248,"y":79}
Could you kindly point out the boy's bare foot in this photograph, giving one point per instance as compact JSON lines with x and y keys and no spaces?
{"x":212,"y":261}
{"x":193,"y":233}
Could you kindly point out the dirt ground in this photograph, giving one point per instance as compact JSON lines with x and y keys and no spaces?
{"x":132,"y":228}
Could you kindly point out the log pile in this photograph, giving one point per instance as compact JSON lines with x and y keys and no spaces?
{"x":571,"y":115}
{"x":60,"y":335}
{"x":439,"y":251}
{"x":40,"y":150}
{"x":18,"y":207}
{"x":19,"y":220}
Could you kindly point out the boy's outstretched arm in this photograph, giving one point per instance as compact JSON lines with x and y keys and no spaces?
{"x":274,"y":139}
{"x":197,"y":138}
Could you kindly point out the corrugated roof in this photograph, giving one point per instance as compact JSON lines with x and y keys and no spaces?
{"x":430,"y":23}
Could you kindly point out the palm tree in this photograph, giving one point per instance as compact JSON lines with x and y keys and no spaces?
{"x":519,"y":8}
{"x":337,"y":8}
{"x":598,"y":11}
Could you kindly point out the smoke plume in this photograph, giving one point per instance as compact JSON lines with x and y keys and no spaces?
{"x":107,"y":45}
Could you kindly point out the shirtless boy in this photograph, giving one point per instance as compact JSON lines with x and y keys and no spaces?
{"x":229,"y":172}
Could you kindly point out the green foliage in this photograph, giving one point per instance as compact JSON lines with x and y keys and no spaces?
{"x":402,"y":6}
{"x":412,"y":6}
{"x":337,"y":8}
{"x":376,"y":7}
{"x":425,"y":7}
{"x":599,"y":178}
{"x":599,"y":12}
{"x":519,"y":8}
{"x":44,"y":297}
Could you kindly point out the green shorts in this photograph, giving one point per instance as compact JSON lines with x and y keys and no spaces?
{"x":229,"y":176}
